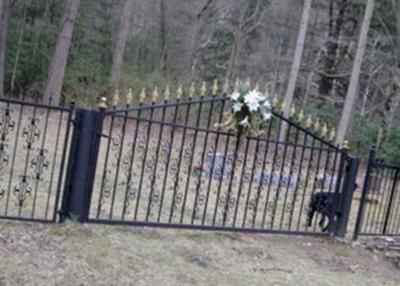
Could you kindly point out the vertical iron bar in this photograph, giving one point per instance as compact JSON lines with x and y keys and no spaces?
{"x":105,"y":168}
{"x":389,"y":208}
{"x":309,"y":166}
{"x":360,"y":214}
{"x":153,"y":178}
{"x":271,"y":177}
{"x":191,"y":160}
{"x":171,"y":142}
{"x":246,"y":151}
{"x":176,"y":183}
{"x":62,"y":165}
{"x":121,"y":147}
{"x":213,"y":163}
{"x":296,"y":138}
{"x":54,"y":165}
{"x":41,"y":150}
{"x":295,"y":191}
{"x":276,"y":199}
{"x":221,"y":178}
{"x":198,"y":184}
{"x":131,"y":161}
{"x":146,"y":148}
{"x":231,"y":179}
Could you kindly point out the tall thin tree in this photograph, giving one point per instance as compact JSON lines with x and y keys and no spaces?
{"x":60,"y":56}
{"x":352,"y":94}
{"x":294,"y":72}
{"x":5,"y":12}
{"x":119,"y":49}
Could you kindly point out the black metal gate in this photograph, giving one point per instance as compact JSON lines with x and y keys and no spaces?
{"x":34,"y":142}
{"x":172,"y":165}
{"x":379,"y":210}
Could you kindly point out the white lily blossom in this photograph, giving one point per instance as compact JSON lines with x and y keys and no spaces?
{"x":245,"y":122}
{"x":235,"y":96}
{"x":267,"y":104}
{"x":237,"y":106}
{"x":253,"y":103}
{"x":266,"y":116}
{"x":252,"y":100}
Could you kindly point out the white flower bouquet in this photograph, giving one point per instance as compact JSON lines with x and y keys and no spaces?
{"x":250,"y":108}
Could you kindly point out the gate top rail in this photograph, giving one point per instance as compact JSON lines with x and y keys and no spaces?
{"x":124,"y":113}
{"x":34,"y":104}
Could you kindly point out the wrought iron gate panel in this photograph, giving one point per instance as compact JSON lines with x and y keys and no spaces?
{"x":172,"y":164}
{"x":33,"y":146}
{"x":379,"y":210}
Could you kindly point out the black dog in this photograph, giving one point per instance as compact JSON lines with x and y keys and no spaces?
{"x":325,"y":204}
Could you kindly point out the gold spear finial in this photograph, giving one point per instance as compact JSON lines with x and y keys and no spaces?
{"x":237,"y":84}
{"x":301,"y":115}
{"x":332,"y":134}
{"x":324,"y":130}
{"x":317,"y":125}
{"x":155,"y":94}
{"x":203,"y":89}
{"x":345,"y":144}
{"x":274,"y":100}
{"x":129,"y":97}
{"x":179,"y":92}
{"x":292,"y":111}
{"x":192,"y":90}
{"x":248,"y":83}
{"x":214,"y":89}
{"x":142,"y":95}
{"x":115,"y":100}
{"x":309,"y":121}
{"x":226,"y":86}
{"x":102,"y":102}
{"x":283,"y":105}
{"x":167,"y":93}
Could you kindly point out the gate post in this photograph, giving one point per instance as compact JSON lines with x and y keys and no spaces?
{"x":82,"y":165}
{"x":360,"y":214}
{"x":346,"y":199}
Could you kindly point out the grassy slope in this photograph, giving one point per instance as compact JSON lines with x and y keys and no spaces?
{"x":36,"y":254}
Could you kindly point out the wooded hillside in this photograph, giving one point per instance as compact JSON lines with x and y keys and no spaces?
{"x":79,"y":50}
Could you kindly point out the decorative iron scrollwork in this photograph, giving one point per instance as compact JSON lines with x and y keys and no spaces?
{"x":7,"y":124}
{"x":31,"y":133}
{"x":40,"y":164}
{"x":22,"y":191}
{"x":4,"y":158}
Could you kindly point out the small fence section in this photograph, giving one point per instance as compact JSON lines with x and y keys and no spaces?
{"x":171,"y":165}
{"x":379,"y":210}
{"x":33,"y":143}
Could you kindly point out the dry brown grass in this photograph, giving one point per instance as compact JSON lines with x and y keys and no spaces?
{"x":36,"y":254}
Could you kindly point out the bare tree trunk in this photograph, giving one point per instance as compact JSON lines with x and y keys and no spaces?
{"x":119,"y":49}
{"x":163,"y":41}
{"x":60,"y":56}
{"x":394,"y":102}
{"x":297,"y":57}
{"x":351,"y":97}
{"x":18,"y":51}
{"x":336,"y":23}
{"x":5,"y":13}
{"x":196,"y":36}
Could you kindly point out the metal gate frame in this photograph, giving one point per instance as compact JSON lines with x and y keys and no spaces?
{"x":26,"y":127}
{"x":84,"y":156}
{"x":379,"y":219}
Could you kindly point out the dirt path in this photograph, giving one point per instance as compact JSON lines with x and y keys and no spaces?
{"x":36,"y":254}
